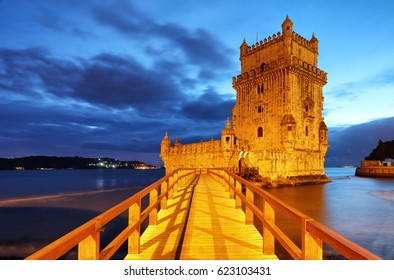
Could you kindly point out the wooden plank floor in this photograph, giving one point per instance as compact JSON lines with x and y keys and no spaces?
{"x":160,"y":242}
{"x":215,"y":228}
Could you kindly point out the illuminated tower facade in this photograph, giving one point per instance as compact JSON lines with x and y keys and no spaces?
{"x":278,"y":118}
{"x":277,"y":123}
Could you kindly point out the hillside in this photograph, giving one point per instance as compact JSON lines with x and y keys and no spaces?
{"x":382,"y":151}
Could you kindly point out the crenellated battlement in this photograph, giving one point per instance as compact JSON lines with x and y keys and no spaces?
{"x":298,"y":63}
{"x":207,"y":146}
{"x":264,"y":43}
{"x":303,"y":41}
{"x":269,"y":68}
{"x":277,"y":38}
{"x":276,"y":65}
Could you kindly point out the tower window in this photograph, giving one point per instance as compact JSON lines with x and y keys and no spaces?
{"x":260,"y":132}
{"x":289,"y":128}
{"x":227,"y":139}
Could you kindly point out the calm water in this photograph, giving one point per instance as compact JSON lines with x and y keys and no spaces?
{"x":30,"y":183}
{"x":361,"y":209}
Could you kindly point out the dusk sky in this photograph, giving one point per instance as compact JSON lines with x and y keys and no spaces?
{"x":108,"y":78}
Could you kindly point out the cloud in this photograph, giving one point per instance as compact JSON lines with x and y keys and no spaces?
{"x":197,"y":47}
{"x":111,"y":101}
{"x":52,"y":18}
{"x":119,"y":82}
{"x":103,"y":103}
{"x":209,"y":106}
{"x":348,"y":146}
{"x":112,"y":104}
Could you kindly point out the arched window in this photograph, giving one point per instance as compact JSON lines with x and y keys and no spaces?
{"x":262,"y":67}
{"x":262,"y":88}
{"x":260,"y":132}
{"x":306,"y":131}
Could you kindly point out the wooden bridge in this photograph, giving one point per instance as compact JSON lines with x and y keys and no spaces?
{"x":202,"y":214}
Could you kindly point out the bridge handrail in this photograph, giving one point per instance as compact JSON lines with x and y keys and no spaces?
{"x":87,"y":236}
{"x":313,"y":233}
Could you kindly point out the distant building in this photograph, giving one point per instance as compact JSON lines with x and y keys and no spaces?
{"x":277,"y":124}
{"x":376,"y":168}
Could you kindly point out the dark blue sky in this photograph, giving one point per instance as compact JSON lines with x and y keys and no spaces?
{"x":108,"y":78}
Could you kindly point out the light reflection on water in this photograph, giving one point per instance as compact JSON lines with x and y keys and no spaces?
{"x":29,"y":183}
{"x":361,"y":209}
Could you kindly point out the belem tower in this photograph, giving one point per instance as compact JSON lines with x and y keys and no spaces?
{"x":277,"y":125}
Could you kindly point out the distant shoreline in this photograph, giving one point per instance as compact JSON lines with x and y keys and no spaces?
{"x":61,"y":163}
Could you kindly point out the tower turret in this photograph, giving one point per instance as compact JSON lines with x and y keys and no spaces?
{"x":244,"y":48}
{"x":287,"y":32}
{"x":165,"y":145}
{"x":287,"y":27}
{"x":228,"y":136}
{"x":243,"y":51}
{"x":323,"y":137}
{"x":228,"y":142}
{"x":288,"y":132}
{"x":314,"y":43}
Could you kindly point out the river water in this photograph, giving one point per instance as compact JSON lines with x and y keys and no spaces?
{"x":40,"y":205}
{"x":361,"y":209}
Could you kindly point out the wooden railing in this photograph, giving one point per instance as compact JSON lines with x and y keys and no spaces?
{"x":87,"y":236}
{"x":313,"y":233}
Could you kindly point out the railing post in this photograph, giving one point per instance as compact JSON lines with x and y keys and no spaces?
{"x":134,"y":219}
{"x":153,"y":213}
{"x":176,"y":182}
{"x":224,"y":177}
{"x":232,"y":182}
{"x":182,"y":177}
{"x":170,"y":187}
{"x":268,"y":237}
{"x":249,"y":216}
{"x":89,"y":248}
{"x":238,"y":201}
{"x":164,"y":187}
{"x":312,"y":247}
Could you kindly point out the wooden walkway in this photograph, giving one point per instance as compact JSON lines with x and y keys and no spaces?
{"x":201,"y":223}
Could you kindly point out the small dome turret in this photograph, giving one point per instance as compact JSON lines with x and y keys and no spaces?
{"x":288,"y":119}
{"x":165,"y":145}
{"x":244,"y":48}
{"x":287,"y":26}
{"x":177,"y":142}
{"x":166,"y":140}
{"x":323,"y":126}
{"x":228,"y":130}
{"x":314,"y":43}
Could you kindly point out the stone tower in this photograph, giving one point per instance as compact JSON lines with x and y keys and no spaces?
{"x":277,"y":123}
{"x":277,"y":117}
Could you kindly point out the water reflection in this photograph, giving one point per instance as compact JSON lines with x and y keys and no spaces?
{"x":361,"y":209}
